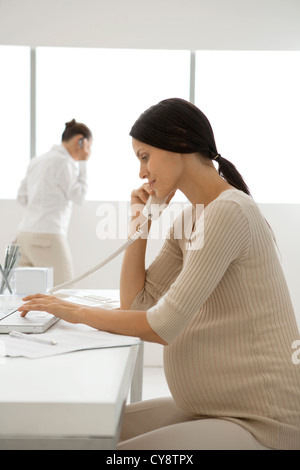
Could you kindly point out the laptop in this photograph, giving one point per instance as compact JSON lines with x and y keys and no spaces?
{"x":39,"y":322}
{"x":10,"y":319}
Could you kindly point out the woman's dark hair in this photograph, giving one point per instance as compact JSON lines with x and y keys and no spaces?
{"x":74,"y":128}
{"x":179,"y":126}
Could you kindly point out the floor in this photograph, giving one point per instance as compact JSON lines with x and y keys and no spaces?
{"x":154,"y":383}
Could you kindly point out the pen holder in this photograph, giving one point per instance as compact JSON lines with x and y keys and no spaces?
{"x":5,"y":281}
{"x":11,"y":261}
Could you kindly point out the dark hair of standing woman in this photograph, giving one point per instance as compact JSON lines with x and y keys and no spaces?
{"x":179,"y":126}
{"x":74,"y":128}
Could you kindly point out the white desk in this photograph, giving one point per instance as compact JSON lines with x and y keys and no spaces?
{"x":68,"y":401}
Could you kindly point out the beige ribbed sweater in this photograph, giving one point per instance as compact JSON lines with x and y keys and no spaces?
{"x":226,"y":314}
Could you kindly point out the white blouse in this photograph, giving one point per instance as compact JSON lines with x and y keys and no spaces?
{"x":52,"y":183}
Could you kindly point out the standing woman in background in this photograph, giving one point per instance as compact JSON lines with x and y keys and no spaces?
{"x":52,"y":183}
{"x":215,"y":297}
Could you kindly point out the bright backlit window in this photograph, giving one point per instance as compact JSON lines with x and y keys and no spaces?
{"x":14,"y":117}
{"x":107,"y":90}
{"x":252,"y":100}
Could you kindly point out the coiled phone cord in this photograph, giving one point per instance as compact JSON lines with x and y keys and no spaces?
{"x":129,"y":242}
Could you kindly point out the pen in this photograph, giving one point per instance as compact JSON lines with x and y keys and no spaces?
{"x":6,"y":257}
{"x":18,"y":334}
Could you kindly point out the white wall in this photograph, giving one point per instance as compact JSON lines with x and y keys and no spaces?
{"x":164,"y":24}
{"x":88,"y":250}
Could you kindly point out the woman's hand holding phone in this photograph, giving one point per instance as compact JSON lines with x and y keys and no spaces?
{"x":145,"y":205}
{"x":139,"y":198}
{"x":84,"y":149}
{"x":142,"y":194}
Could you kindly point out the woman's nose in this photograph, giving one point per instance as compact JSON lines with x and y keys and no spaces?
{"x":143,"y":172}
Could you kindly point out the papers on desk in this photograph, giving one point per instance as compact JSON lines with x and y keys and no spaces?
{"x":67,"y":338}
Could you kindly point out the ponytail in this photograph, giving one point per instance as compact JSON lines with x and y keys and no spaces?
{"x":229,"y":172}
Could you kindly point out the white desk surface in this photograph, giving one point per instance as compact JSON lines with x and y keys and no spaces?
{"x":70,"y":400}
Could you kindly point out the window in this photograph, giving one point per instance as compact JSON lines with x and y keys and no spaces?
{"x":252,"y":100}
{"x":107,"y":90}
{"x":14,"y":117}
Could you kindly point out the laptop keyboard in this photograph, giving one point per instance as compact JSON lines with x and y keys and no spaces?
{"x":98,"y":301}
{"x":6,"y":312}
{"x":8,"y":305}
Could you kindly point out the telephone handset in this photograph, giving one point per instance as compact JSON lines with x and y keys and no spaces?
{"x":154,"y":207}
{"x":152,"y":211}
